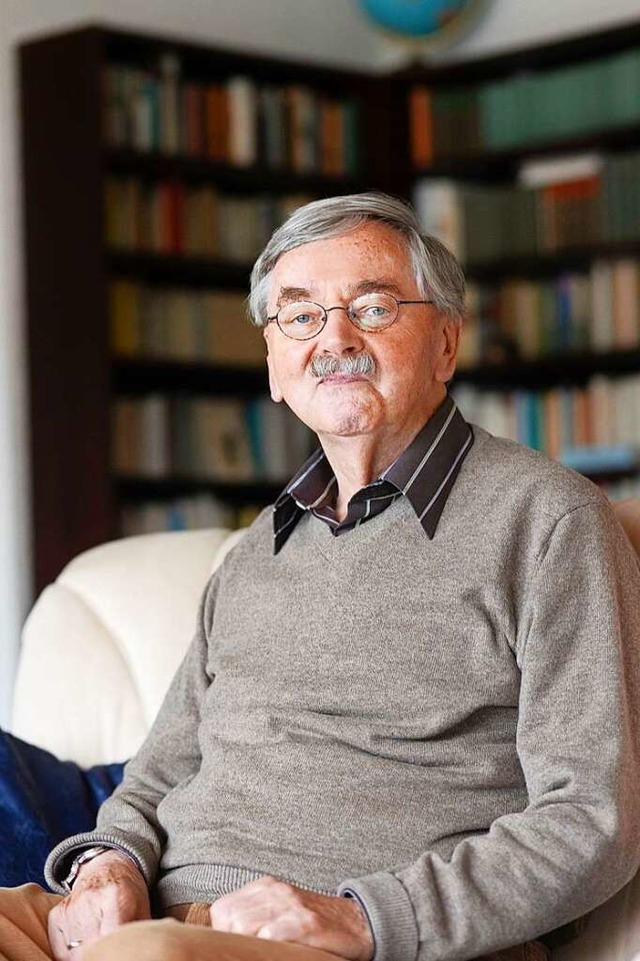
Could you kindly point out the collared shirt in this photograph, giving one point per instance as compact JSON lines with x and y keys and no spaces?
{"x":424,"y":473}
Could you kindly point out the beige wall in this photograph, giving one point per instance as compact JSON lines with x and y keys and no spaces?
{"x":332,"y":31}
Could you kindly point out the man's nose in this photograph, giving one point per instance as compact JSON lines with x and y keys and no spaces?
{"x":339,"y":333}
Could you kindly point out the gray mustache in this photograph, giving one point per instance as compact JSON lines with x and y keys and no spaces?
{"x":351,"y":364}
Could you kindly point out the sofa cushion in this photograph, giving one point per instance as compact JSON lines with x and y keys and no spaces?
{"x":42,"y":801}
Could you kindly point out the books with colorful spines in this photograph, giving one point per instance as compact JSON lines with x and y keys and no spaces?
{"x":441,"y":124}
{"x":193,"y":113}
{"x":154,"y":323}
{"x":351,"y":125}
{"x":269,"y":432}
{"x":217,"y":122}
{"x":332,"y":138}
{"x":272,"y":127}
{"x":170,"y":114}
{"x":626,"y":303}
{"x":580,"y":301}
{"x":153,"y":452}
{"x":440,"y":211}
{"x":124,"y":436}
{"x":583,"y":428}
{"x":603,"y":412}
{"x":115,"y":107}
{"x":171,"y":196}
{"x":230,"y":339}
{"x":242,"y":112}
{"x":145,"y":111}
{"x":227,"y":439}
{"x":624,"y":77}
{"x":182,"y":434}
{"x":551,"y":419}
{"x":182,"y":340}
{"x":602,"y":459}
{"x":124,"y":313}
{"x":303,"y":121}
{"x":421,"y":127}
{"x":602,"y":322}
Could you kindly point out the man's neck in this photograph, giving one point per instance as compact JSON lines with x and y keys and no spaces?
{"x":356,"y":461}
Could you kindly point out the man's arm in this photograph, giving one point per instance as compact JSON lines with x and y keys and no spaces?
{"x":112,"y":888}
{"x":127,"y":820}
{"x":578,"y":741}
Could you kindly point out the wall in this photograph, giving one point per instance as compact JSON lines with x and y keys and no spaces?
{"x":330,"y":31}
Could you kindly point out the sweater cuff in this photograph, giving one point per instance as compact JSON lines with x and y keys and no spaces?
{"x":58,"y":862}
{"x":390,"y":914}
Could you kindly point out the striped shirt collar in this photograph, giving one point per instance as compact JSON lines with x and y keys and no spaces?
{"x":424,"y":473}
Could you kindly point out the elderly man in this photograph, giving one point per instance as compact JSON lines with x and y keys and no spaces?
{"x":407,"y":726}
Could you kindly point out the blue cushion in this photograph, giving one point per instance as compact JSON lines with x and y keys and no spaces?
{"x":42,"y":801}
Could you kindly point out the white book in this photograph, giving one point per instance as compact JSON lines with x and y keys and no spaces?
{"x":543,"y":171}
{"x":440,"y":211}
{"x":243,"y":142}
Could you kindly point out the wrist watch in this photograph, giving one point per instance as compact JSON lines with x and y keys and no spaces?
{"x":87,"y":855}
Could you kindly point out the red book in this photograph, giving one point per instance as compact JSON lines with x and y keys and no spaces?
{"x":421,"y":124}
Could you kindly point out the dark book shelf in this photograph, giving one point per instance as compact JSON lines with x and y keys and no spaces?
{"x":500,"y":165}
{"x":255,"y":179}
{"x":567,"y":367}
{"x":553,"y":263}
{"x":75,"y":379}
{"x":143,"y":376}
{"x":170,"y":270}
{"x":133,"y":490}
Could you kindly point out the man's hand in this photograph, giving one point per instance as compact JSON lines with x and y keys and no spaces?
{"x":108,"y":892}
{"x":278,"y":911}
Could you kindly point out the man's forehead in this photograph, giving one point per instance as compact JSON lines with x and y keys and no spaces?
{"x":371,"y":257}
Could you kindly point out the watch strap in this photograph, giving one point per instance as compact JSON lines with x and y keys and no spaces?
{"x":87,"y":855}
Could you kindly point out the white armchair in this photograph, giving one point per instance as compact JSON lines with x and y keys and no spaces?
{"x":102,"y":643}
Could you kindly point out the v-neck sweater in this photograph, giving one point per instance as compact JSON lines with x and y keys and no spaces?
{"x":445,"y":728}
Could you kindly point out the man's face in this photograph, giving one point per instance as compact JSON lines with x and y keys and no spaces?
{"x":413,"y":358}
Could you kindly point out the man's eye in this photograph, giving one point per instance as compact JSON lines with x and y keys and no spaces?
{"x":301,"y":319}
{"x":376,"y":310}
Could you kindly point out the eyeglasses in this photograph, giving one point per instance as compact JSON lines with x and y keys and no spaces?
{"x":303,"y":319}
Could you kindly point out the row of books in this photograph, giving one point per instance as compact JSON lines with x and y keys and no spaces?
{"x":164,"y":323}
{"x":202,"y":437}
{"x":603,"y":414}
{"x":532,"y":108}
{"x":596,"y":311}
{"x":557,"y":205}
{"x":173,"y":218}
{"x":232,"y":121}
{"x":194,"y":512}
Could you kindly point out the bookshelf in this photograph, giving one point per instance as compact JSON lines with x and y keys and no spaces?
{"x":527,"y":165}
{"x":154,"y":171}
{"x":144,"y":151}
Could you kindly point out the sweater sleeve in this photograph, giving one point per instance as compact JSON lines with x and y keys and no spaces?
{"x":169,"y":755}
{"x":578,"y":740}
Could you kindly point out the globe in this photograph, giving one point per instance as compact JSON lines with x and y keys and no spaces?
{"x":415,"y":18}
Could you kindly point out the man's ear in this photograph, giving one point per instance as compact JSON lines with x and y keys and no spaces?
{"x":446,"y":365}
{"x":274,"y":389}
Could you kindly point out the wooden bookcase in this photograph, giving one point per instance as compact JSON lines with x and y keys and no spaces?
{"x":480,"y":148}
{"x":68,"y":160}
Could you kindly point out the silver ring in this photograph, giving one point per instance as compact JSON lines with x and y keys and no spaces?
{"x":73,"y":944}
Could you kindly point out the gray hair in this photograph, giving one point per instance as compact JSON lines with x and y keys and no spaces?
{"x":437,"y":272}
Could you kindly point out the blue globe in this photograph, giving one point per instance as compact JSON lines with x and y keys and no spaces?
{"x":414,"y":18}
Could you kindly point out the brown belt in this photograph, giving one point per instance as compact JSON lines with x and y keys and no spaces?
{"x":194,"y":912}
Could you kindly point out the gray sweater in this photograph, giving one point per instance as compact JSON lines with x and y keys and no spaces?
{"x":446,"y":728}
